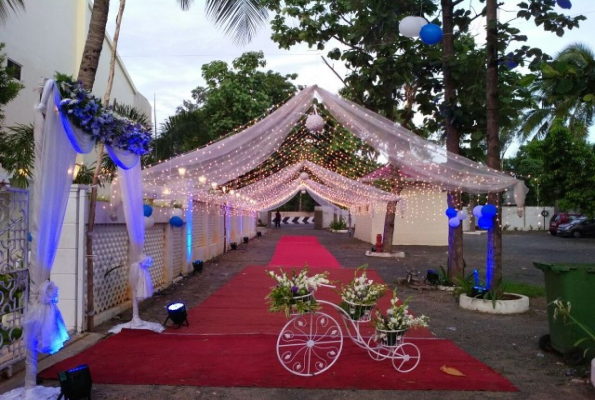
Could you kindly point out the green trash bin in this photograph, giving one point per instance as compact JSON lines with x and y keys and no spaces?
{"x":574,"y":283}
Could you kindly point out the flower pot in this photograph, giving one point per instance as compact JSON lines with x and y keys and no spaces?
{"x":390,"y":338}
{"x":299,"y":299}
{"x":512,"y":303}
{"x":358,"y":312}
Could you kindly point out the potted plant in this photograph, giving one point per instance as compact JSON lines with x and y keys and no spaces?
{"x":338,"y":225}
{"x":392,"y":326}
{"x":475,"y":296}
{"x":361,"y":295}
{"x":293,"y":293}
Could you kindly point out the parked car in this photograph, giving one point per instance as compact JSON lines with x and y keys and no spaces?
{"x":559,"y":219}
{"x":578,"y":227}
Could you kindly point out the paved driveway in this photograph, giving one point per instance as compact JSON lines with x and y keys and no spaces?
{"x":521,"y":249}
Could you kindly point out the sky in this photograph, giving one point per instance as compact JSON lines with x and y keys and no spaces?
{"x":163,"y":48}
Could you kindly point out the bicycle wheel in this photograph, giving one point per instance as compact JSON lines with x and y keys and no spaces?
{"x":309,"y":344}
{"x":406,"y":357}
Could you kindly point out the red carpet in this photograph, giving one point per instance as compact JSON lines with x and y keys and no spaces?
{"x":148,"y":358}
{"x":297,"y":251}
{"x":233,"y":328}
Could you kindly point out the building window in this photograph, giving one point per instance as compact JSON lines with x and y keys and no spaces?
{"x":13,"y":69}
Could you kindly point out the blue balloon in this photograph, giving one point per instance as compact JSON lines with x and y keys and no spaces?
{"x":176,"y":221}
{"x":510,"y":61}
{"x":451,"y":212}
{"x":430,"y":34}
{"x":489,"y":210}
{"x":485,"y":222}
{"x":147,"y":210}
{"x":566,"y":4}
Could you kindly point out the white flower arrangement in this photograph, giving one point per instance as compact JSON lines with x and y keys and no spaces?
{"x":397,"y":317}
{"x":361,"y":290}
{"x":293,"y":294}
{"x":360,"y":295}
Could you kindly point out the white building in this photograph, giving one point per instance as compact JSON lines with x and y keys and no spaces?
{"x":48,"y":37}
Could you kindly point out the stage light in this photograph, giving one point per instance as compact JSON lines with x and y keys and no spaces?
{"x":197,"y":265}
{"x":432,"y":277}
{"x":75,"y":384}
{"x":177,"y":313}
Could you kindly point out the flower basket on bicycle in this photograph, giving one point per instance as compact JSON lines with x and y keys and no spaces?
{"x":361,"y":295}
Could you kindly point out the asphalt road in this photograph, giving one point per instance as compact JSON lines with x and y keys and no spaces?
{"x":521,"y":249}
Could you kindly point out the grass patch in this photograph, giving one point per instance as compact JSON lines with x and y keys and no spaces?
{"x":526,"y":289}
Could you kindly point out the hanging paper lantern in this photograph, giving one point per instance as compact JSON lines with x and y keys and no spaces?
{"x":304,"y":176}
{"x":489,"y":210}
{"x":410,"y":26}
{"x":430,"y":34}
{"x":485,"y":222}
{"x":454,"y":222}
{"x":149,"y":222}
{"x":314,"y":123}
{"x":176,"y":221}
{"x":303,"y":192}
{"x":566,"y":4}
{"x":462,"y":215}
{"x":147,"y":210}
{"x":477,"y":211}
{"x":451,"y":212}
{"x":177,"y":212}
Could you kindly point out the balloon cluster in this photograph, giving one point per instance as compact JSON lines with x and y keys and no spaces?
{"x":418,"y":26}
{"x":566,"y":4}
{"x":455,"y":216}
{"x":485,"y":215}
{"x":148,"y":212}
{"x":176,"y":219}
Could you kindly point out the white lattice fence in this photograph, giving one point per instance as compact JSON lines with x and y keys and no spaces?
{"x":110,"y":267}
{"x":154,"y":247}
{"x":179,"y":258}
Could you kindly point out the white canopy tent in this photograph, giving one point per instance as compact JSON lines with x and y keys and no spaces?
{"x":223,"y":161}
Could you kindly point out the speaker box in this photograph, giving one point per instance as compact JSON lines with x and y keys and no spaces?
{"x":76,"y":383}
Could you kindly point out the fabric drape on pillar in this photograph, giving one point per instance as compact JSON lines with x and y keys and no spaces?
{"x":55,"y":156}
{"x":131,"y":191}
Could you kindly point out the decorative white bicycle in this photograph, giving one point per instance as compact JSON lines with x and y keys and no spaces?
{"x":311,"y":343}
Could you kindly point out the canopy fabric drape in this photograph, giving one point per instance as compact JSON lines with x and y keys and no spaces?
{"x":57,"y":142}
{"x":233,"y":156}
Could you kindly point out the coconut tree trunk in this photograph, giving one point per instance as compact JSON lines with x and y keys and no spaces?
{"x":456,"y":266}
{"x":87,"y":73}
{"x":389,"y":227}
{"x":94,"y":43}
{"x":494,"y":262}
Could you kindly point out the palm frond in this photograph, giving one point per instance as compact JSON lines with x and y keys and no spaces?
{"x":185,"y":4}
{"x":239,"y":18}
{"x":13,"y":5}
{"x":17,"y":153}
{"x":132,"y":114}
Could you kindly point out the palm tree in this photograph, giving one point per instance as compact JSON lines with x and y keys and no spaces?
{"x":564,"y":93}
{"x":241,"y":18}
{"x":7,"y":5}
